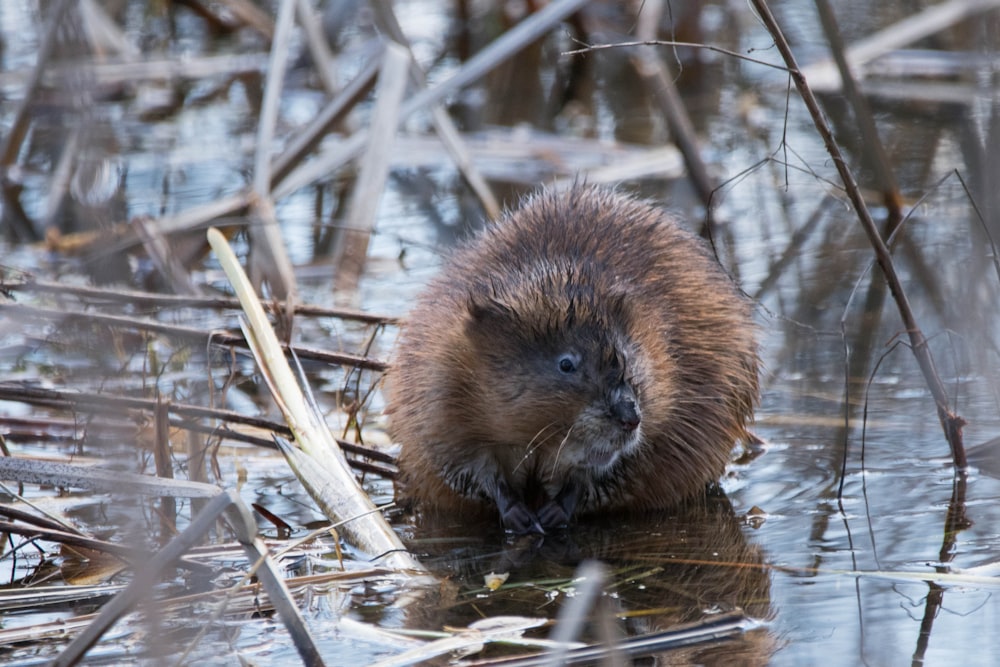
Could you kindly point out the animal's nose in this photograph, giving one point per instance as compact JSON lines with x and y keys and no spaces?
{"x":624,"y":408}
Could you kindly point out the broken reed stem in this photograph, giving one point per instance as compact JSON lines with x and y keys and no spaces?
{"x":950,"y":422}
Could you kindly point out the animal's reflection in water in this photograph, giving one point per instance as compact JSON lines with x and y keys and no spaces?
{"x":663,"y":569}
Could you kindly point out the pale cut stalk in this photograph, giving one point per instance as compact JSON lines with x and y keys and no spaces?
{"x":343,"y":498}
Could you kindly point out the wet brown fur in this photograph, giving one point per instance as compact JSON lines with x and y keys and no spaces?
{"x":472,"y":393}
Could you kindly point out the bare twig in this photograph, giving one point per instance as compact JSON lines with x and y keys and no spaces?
{"x":669,"y":42}
{"x":951,"y":423}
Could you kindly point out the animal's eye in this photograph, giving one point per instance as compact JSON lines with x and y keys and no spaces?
{"x":567,"y":363}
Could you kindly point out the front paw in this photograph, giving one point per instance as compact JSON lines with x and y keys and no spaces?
{"x":552,"y":515}
{"x":517,"y":518}
{"x":557,"y":512}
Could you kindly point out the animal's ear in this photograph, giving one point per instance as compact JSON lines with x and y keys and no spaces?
{"x":489,"y":310}
{"x":485,"y":308}
{"x":620,"y":304}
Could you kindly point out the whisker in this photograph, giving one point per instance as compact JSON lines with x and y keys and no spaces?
{"x":559,"y":449}
{"x":536,"y":442}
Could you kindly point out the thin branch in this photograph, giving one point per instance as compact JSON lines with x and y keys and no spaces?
{"x":950,"y":422}
{"x":669,"y":42}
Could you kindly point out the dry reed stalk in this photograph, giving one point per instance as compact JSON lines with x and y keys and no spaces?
{"x":315,"y":455}
{"x":112,"y":74}
{"x":329,"y":117}
{"x":792,"y":249}
{"x":180,"y":415}
{"x":51,"y":473}
{"x":252,"y":16}
{"x":269,"y":258}
{"x":444,"y":126}
{"x":589,"y":580}
{"x":11,"y":144}
{"x":352,"y":247}
{"x":102,"y":296}
{"x":62,"y":176}
{"x":951,"y":423}
{"x":660,"y":83}
{"x":199,"y":217}
{"x":322,"y":56}
{"x":514,"y":40}
{"x":104,"y":34}
{"x":217,"y":338}
{"x":164,"y":467}
{"x":159,"y":251}
{"x":32,"y":531}
{"x":824,"y":75}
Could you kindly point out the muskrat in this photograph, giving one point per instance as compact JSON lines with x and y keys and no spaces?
{"x":582,"y":354}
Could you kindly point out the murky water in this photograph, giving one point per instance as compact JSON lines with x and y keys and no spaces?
{"x":832,"y":576}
